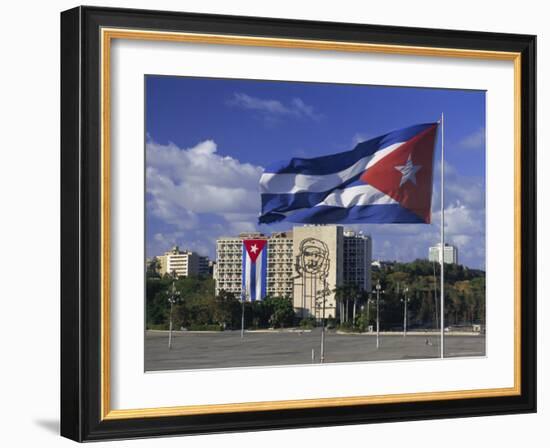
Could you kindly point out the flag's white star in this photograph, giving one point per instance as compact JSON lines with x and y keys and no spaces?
{"x":408,"y":171}
{"x":254,"y":249}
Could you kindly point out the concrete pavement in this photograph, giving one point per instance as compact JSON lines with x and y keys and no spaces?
{"x":203,"y":350}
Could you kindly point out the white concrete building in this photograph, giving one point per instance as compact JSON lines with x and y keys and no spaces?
{"x":183,"y":263}
{"x":280,"y":281}
{"x":450,"y":253}
{"x":228,"y":267}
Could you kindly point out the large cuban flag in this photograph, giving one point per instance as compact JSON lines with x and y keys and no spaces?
{"x":254,"y":269}
{"x":384,"y":180}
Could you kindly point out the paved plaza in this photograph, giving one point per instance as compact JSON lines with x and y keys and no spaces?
{"x":205,"y":350}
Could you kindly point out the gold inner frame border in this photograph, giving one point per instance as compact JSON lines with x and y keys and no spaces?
{"x":107,"y":35}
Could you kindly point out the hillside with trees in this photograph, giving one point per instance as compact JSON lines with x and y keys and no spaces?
{"x":464,"y":294}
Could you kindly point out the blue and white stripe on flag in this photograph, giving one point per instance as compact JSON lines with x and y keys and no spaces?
{"x":254,"y":269}
{"x":337,"y":189}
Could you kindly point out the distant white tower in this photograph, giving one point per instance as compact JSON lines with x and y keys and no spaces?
{"x":450,"y":253}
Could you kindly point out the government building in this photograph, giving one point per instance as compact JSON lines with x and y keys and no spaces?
{"x":183,"y":263}
{"x":306,"y":264}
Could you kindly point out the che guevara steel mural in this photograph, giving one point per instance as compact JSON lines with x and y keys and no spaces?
{"x":312,"y":267}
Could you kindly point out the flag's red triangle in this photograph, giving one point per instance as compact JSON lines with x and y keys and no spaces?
{"x":406,"y":174}
{"x":254,"y":248}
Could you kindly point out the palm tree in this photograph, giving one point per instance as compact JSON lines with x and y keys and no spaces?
{"x":361,"y":297}
{"x":354,"y":292}
{"x":340,"y":294}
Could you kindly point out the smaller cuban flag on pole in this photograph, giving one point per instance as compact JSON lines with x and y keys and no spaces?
{"x":254,"y":276}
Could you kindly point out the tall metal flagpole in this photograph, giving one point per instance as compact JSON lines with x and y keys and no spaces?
{"x":243,"y":297}
{"x":442,"y":248}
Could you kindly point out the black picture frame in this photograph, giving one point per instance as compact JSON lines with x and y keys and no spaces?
{"x":81,"y":211}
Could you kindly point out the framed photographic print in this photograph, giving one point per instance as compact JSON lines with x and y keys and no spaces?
{"x":275,"y":224}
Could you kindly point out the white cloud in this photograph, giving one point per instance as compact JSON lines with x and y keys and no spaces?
{"x":301,"y":108}
{"x":272,"y":108}
{"x":359,"y":137}
{"x":199,"y":180}
{"x":196,"y":194}
{"x":469,"y":190}
{"x":461,"y":240}
{"x":475,"y":140}
{"x":460,"y":220}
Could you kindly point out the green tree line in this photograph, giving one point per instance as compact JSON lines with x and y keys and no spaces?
{"x":199,"y":308}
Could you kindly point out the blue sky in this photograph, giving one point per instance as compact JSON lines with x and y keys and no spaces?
{"x":207,"y":141}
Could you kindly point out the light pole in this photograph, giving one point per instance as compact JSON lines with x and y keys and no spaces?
{"x":378,"y":291}
{"x":369,"y":301}
{"x":173,"y":298}
{"x":243,"y":297}
{"x":405,"y":300}
{"x":324,"y":324}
